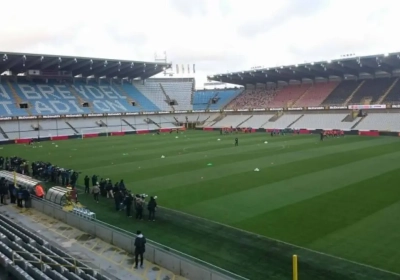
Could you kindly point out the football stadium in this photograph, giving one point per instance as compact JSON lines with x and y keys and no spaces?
{"x":292,"y":173}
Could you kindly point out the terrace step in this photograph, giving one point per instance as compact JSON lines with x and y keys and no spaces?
{"x":18,"y":99}
{"x":353,"y":93}
{"x":244,"y":121}
{"x":125,"y":121}
{"x":295,"y":121}
{"x":79,"y":98}
{"x":380,"y":100}
{"x":73,"y":128}
{"x":3,"y":133}
{"x":358,"y":122}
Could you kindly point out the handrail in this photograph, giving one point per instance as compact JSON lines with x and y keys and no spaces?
{"x":157,"y":245}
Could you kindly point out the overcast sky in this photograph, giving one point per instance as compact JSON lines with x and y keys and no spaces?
{"x":216,"y":35}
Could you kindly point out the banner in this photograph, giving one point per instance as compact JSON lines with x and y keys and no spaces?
{"x":276,"y":109}
{"x":180,"y":112}
{"x":396,"y":106}
{"x":259,"y":110}
{"x":194,"y":68}
{"x":361,"y":107}
{"x":132,"y":113}
{"x":337,"y":107}
{"x":228,"y":110}
{"x":316,"y":108}
{"x":113,"y":114}
{"x":27,"y":117}
{"x":95,"y":115}
{"x":198,"y":111}
{"x":74,"y":116}
{"x":243,"y":110}
{"x":295,"y":109}
{"x":5,"y":118}
{"x":51,"y":117}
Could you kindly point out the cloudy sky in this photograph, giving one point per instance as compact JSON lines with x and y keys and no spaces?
{"x":216,"y":35}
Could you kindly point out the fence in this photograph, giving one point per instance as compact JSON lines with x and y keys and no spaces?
{"x":177,"y":262}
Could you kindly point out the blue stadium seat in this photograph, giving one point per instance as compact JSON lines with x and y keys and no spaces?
{"x":63,"y":98}
{"x":202,"y":98}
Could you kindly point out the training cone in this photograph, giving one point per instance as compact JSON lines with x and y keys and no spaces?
{"x":266,"y":142}
{"x":210,"y":164}
{"x":218,"y":139}
{"x":162,"y":156}
{"x":56,"y":146}
{"x":256,"y":170}
{"x":176,"y":137}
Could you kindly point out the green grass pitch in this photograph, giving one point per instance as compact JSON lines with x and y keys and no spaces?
{"x":340,"y":196}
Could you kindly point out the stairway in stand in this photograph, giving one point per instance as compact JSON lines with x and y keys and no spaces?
{"x":380,"y":100}
{"x":353,"y":93}
{"x":18,"y":99}
{"x":128,"y":97}
{"x":80,"y":100}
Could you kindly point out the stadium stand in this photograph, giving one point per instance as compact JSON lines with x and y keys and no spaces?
{"x":256,"y":121}
{"x":214,"y":99}
{"x":202,"y":99}
{"x":371,"y":90}
{"x":341,"y":93}
{"x":380,"y":121}
{"x":288,"y":95}
{"x":180,"y":92}
{"x":253,"y":98}
{"x":231,"y":120}
{"x":393,"y":94}
{"x":26,"y":255}
{"x":316,"y":94}
{"x":325,"y":121}
{"x":143,"y":101}
{"x":282,"y":122}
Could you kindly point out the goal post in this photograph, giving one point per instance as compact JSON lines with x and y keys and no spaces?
{"x":94,"y":130}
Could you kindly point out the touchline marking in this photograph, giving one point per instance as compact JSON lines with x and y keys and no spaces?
{"x":287,"y":243}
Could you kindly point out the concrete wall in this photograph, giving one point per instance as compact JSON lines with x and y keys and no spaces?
{"x":178,"y":263}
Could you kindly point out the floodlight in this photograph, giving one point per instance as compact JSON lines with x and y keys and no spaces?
{"x":59,"y":59}
{"x":41,"y":58}
{"x":5,"y":57}
{"x":386,"y":54}
{"x":329,"y":61}
{"x":75,"y":60}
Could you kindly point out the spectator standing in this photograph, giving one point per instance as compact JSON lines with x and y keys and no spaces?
{"x":151,"y":206}
{"x":140,"y":248}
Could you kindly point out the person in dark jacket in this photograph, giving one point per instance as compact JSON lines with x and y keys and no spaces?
{"x":139,"y":208}
{"x":94,"y":180}
{"x":140,"y":248}
{"x":20,"y":197}
{"x":3,"y":191}
{"x":87,"y":180}
{"x":151,"y":206}
{"x":26,"y":196}
{"x":128,"y":203}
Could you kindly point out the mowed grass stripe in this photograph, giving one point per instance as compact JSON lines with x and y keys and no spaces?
{"x":148,"y":169}
{"x":349,"y":242}
{"x":290,"y":183}
{"x":239,"y":176}
{"x":187,"y":159}
{"x":328,"y":213}
{"x":133,"y":150}
{"x":238,"y":166}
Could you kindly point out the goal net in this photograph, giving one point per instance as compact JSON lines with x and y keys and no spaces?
{"x":88,"y":132}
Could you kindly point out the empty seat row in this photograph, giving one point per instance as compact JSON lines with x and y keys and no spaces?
{"x":26,"y":255}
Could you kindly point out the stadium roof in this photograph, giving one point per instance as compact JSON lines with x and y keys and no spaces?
{"x":344,"y":68}
{"x":19,"y":63}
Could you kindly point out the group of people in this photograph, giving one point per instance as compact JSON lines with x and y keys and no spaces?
{"x":124,"y":199}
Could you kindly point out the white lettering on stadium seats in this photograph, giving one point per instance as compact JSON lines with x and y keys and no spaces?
{"x":3,"y":93}
{"x":60,"y":107}
{"x":81,"y":91}
{"x":77,"y":109}
{"x":117,"y":94}
{"x":64,"y":92}
{"x":40,"y":107}
{"x":116,"y":105}
{"x":101,"y":106}
{"x":107,"y":91}
{"x":95,"y":92}
{"x":47,"y":91}
{"x":29,"y":92}
{"x":5,"y":106}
